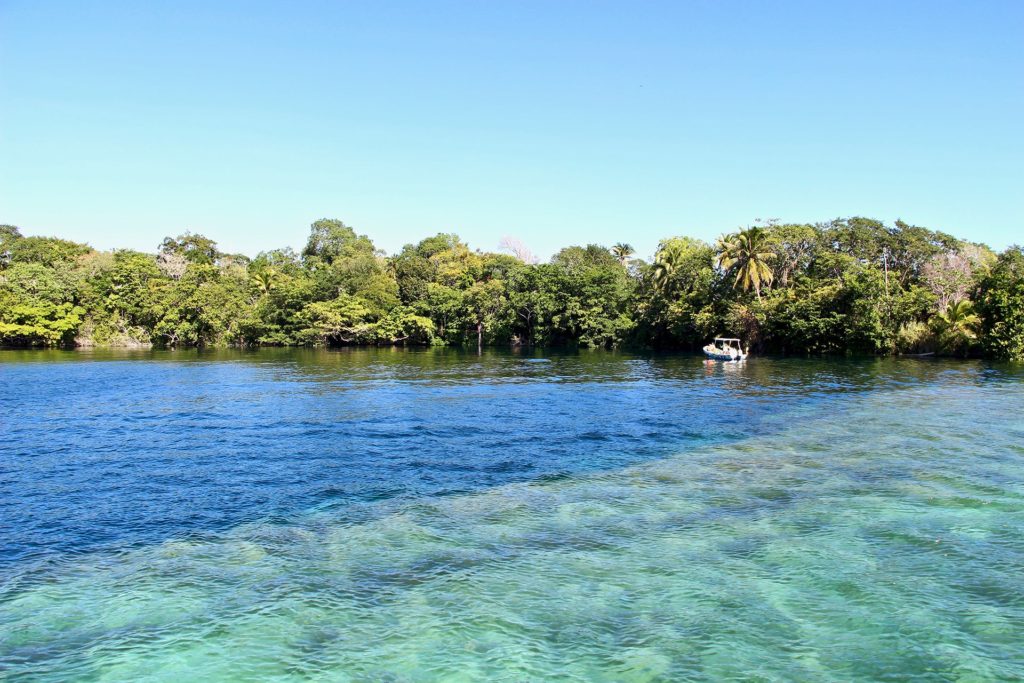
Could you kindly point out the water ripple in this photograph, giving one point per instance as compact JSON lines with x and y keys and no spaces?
{"x":593,"y":518}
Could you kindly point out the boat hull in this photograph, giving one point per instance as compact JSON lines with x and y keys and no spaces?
{"x":722,"y":356}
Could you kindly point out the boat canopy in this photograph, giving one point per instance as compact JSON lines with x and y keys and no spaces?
{"x":725,"y":348}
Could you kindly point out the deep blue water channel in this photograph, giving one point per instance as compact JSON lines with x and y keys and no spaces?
{"x":386,"y":514}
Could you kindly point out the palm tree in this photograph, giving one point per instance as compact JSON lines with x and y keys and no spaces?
{"x":622,"y":251}
{"x":264,"y":280}
{"x":958,"y":327}
{"x":666,"y":262}
{"x":746,"y":253}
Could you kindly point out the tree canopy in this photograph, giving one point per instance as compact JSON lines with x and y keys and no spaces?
{"x":853,"y":285}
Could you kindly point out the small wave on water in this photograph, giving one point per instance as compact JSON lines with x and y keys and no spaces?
{"x":605,"y":518}
{"x":875,"y":537}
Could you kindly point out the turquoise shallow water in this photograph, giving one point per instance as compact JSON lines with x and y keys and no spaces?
{"x":862,"y":520}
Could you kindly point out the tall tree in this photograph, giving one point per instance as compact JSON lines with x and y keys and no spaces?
{"x":746,"y":253}
{"x":622,"y":252}
{"x":331,"y":240}
{"x":194,"y":248}
{"x":666,"y":262}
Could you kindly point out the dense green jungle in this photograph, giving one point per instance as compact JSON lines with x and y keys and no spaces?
{"x":848,"y":286}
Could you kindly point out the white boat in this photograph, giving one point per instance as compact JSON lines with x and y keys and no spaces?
{"x":725,"y":348}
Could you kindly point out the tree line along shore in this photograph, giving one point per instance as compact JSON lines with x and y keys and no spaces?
{"x":851,"y":285}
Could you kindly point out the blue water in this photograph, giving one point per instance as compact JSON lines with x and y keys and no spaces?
{"x":110,"y":451}
{"x":423,"y":515}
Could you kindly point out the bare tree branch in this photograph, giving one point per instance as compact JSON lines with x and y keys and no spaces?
{"x":517,"y":249}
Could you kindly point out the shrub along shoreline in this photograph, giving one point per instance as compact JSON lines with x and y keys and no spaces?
{"x":850,"y":285}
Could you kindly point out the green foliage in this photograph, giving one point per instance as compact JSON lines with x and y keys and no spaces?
{"x":746,"y":255}
{"x":848,"y":286}
{"x":808,"y":319}
{"x":192,"y":247}
{"x":264,"y":280}
{"x":622,"y":252}
{"x":200,"y":309}
{"x":119,"y":291}
{"x":343,"y":320}
{"x":669,"y":270}
{"x":578,"y":299}
{"x":957,"y":327}
{"x":679,"y":299}
{"x":915,"y":337}
{"x":403,"y":326}
{"x":793,"y":247}
{"x":1002,"y":306}
{"x":37,"y":323}
{"x":530,"y":304}
{"x":46,"y":251}
{"x":31,"y":281}
{"x":331,"y":240}
{"x":9,"y":234}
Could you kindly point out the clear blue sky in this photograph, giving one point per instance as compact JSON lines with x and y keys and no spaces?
{"x":556,"y":122}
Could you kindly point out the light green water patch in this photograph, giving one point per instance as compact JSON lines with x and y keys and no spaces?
{"x":885,"y":541}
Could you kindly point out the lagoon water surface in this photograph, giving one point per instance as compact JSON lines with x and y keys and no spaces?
{"x":396,"y":515}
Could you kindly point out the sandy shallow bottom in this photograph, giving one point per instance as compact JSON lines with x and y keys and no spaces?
{"x":885,"y":540}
